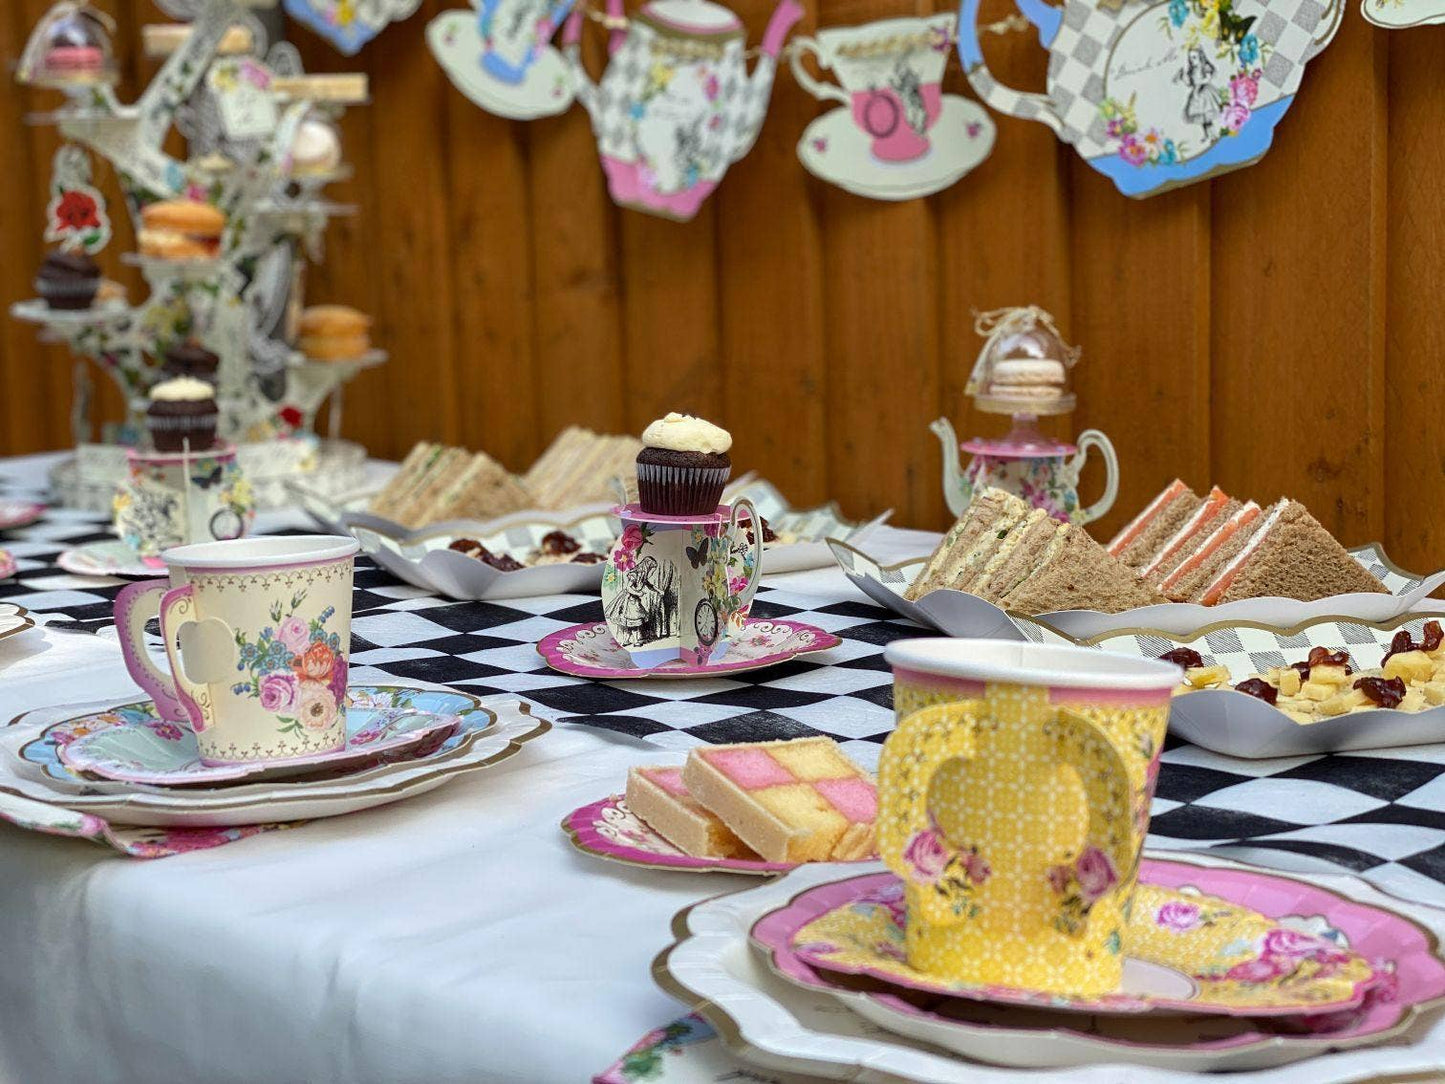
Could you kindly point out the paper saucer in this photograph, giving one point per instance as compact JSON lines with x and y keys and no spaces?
{"x":589,"y":650}
{"x":545,"y":91}
{"x":836,"y":150}
{"x":109,"y":559}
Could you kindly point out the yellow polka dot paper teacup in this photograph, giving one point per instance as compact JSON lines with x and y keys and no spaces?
{"x":1013,"y":802}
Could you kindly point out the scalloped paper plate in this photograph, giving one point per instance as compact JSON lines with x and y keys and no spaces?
{"x":771,"y":1023}
{"x":958,"y":613}
{"x":15,"y":514}
{"x":1402,"y":14}
{"x":589,"y":650}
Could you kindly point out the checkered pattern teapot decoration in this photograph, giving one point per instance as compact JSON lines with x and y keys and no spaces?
{"x":676,"y":105}
{"x":1158,"y":93}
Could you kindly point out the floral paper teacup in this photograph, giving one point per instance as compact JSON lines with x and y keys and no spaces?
{"x":679,"y":587}
{"x":257,"y":633}
{"x":1013,"y":802}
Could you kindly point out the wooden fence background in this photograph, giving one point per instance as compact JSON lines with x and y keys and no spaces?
{"x":1278,"y":330}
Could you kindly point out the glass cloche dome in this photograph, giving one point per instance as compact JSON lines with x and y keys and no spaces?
{"x":70,"y":48}
{"x":1024,"y":365}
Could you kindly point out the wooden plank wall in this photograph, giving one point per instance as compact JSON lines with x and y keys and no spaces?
{"x":1275,"y":331}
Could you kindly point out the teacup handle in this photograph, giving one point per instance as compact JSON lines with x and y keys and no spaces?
{"x":913,"y":846}
{"x":1047,"y":19}
{"x":130,"y":620}
{"x":1093,"y":438}
{"x":178,"y":608}
{"x":816,"y":87}
{"x":757,"y":524}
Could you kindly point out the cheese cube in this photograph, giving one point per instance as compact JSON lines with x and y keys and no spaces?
{"x":1289,"y":682}
{"x":1414,"y":699}
{"x":1203,"y":677}
{"x":1314,"y":690}
{"x":1434,"y":692}
{"x":1410,"y":666}
{"x":1329,"y":675}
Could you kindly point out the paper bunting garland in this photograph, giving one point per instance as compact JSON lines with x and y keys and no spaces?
{"x":75,"y":216}
{"x":1402,"y":14}
{"x":501,"y":57}
{"x":1164,"y":93}
{"x":897,"y":135}
{"x":350,"y":24}
{"x":677,"y":105}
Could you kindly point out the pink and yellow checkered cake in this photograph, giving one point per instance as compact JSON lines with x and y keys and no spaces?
{"x":660,"y":798}
{"x":791,"y":801}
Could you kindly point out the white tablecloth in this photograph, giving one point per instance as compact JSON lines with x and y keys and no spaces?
{"x":457,"y":937}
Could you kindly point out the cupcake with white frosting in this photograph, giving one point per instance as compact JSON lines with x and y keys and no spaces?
{"x":182,"y":409}
{"x":683,"y":466}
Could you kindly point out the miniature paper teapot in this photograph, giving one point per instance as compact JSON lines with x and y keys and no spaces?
{"x":676,"y":105}
{"x":1163,"y":92}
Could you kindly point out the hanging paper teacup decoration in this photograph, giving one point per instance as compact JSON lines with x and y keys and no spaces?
{"x":676,"y":105}
{"x":898,"y":136}
{"x":75,"y":216}
{"x":1161,"y":93}
{"x":501,"y":57}
{"x":1400,"y":14}
{"x":350,"y":24}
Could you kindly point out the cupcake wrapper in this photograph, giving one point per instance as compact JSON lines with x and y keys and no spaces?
{"x":182,"y":421}
{"x":680,"y":491}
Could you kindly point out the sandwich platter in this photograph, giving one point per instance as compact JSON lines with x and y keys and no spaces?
{"x":958,"y":613}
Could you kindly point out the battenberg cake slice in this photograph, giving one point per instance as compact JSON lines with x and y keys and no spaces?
{"x":1290,"y":555}
{"x":1196,"y":572}
{"x":969,"y":542}
{"x":1137,"y":543}
{"x":659,"y":796}
{"x":1079,"y":574}
{"x":1212,"y":511}
{"x":791,"y":801}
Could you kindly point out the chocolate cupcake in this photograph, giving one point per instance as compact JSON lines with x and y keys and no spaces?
{"x":68,"y":280}
{"x":182,"y":409}
{"x":190,"y":358}
{"x":683,"y":466}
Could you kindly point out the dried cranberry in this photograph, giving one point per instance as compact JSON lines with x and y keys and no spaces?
{"x":557,"y":543}
{"x":1387,"y":692}
{"x":465,"y":545}
{"x":1434,"y":636}
{"x":1303,"y":668}
{"x":502,"y":562}
{"x":1258,"y":687}
{"x":1399,"y":644}
{"x":588,"y":558}
{"x":1320,"y":656}
{"x":1186,"y":657}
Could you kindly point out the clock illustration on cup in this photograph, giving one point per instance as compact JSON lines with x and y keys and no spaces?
{"x":705,"y":622}
{"x":227,"y":524}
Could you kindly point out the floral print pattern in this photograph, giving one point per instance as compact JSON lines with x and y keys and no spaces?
{"x":295,"y":668}
{"x":646,"y":1059}
{"x":953,"y":874}
{"x":1043,"y":482}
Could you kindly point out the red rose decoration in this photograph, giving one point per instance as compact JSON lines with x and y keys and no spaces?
{"x":291,"y":416}
{"x":77,"y":211}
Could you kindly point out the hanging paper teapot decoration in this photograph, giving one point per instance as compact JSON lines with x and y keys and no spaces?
{"x":676,"y":105}
{"x":1401,"y":14}
{"x":1161,"y":93}
{"x":898,"y":136}
{"x":501,"y":57}
{"x":350,"y":24}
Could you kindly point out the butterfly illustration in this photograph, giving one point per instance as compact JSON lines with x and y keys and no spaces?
{"x":206,"y":481}
{"x":974,"y":129}
{"x":696,"y":555}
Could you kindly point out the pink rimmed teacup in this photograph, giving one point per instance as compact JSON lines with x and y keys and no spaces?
{"x":257,"y":633}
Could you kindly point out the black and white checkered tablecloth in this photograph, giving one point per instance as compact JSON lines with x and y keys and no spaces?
{"x":1380,"y":814}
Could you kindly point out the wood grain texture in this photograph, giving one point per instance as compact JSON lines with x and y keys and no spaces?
{"x":1274,"y":330}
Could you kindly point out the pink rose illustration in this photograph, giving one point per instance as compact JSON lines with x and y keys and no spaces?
{"x":1178,"y":916}
{"x":278,"y":691}
{"x":631,"y":538}
{"x":1243,"y":89}
{"x":168,"y":731}
{"x":317,"y":707}
{"x":294,"y":633}
{"x":926,"y":854}
{"x":1258,"y":970}
{"x":1096,"y":874}
{"x":1234,"y":116}
{"x":1283,"y":941}
{"x":976,"y":868}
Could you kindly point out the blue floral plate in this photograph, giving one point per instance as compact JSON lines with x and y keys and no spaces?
{"x":132,"y":744}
